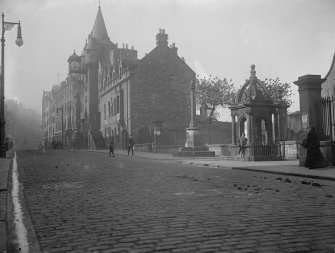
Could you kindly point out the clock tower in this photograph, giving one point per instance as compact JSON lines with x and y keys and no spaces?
{"x":74,"y":62}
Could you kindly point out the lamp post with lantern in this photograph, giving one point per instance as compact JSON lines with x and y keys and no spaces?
{"x":6,"y":26}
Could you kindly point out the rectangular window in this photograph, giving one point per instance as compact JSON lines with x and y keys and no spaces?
{"x":109,"y":109}
{"x":104,"y":111}
{"x":118,"y":104}
{"x":114,"y":106}
{"x":112,"y":109}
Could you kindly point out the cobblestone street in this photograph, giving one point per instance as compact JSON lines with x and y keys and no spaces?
{"x":90,"y":202}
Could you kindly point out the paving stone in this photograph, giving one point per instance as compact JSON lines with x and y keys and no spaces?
{"x":113,"y":206}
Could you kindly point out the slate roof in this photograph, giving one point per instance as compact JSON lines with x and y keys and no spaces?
{"x":99,"y":30}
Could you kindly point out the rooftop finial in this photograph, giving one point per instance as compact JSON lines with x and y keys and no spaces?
{"x":99,"y":4}
{"x":252,"y":71}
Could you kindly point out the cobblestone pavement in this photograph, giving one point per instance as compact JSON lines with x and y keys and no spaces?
{"x":89,"y":202}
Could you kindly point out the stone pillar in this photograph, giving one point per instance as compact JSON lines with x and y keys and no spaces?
{"x":276,"y":127}
{"x":252,"y":130}
{"x":192,"y":103}
{"x":233,"y":130}
{"x":268,"y":128}
{"x":283,"y":122}
{"x":192,"y":132}
{"x":309,"y":91}
{"x":249,"y":127}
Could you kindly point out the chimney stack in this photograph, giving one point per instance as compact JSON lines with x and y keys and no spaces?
{"x":174,"y":48}
{"x":161,"y":38}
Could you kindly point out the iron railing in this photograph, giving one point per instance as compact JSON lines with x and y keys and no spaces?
{"x":325,"y":115}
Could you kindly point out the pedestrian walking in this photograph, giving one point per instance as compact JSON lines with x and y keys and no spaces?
{"x":6,"y":144}
{"x":131,"y":143}
{"x":242,"y":143}
{"x":111,"y":148}
{"x":314,"y":157}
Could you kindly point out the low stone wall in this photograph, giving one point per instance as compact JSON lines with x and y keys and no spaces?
{"x":171,"y":149}
{"x":227,"y":150}
{"x":290,"y":149}
{"x":146,"y":147}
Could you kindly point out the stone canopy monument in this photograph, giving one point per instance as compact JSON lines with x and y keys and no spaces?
{"x":261,"y":118}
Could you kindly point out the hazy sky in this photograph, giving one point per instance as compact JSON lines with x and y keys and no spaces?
{"x":283,"y":38}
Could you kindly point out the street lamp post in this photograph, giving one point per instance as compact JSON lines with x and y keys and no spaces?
{"x":6,"y":26}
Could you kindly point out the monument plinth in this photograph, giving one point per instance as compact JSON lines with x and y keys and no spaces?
{"x":193,"y":145}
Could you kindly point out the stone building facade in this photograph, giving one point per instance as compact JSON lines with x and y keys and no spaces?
{"x":110,"y":93}
{"x":328,"y":85}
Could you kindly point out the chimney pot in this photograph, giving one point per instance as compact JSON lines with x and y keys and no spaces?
{"x":162,"y":38}
{"x":127,"y":46}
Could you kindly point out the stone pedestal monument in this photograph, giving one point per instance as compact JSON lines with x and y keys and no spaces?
{"x":193,"y":138}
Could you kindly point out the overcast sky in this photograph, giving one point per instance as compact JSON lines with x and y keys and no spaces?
{"x":283,"y":38}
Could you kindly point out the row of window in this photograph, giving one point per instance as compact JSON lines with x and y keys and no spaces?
{"x":64,"y":93}
{"x":109,"y":133}
{"x":113,"y":107}
{"x":66,"y":122}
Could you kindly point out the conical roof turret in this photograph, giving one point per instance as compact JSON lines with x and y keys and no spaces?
{"x":99,"y":29}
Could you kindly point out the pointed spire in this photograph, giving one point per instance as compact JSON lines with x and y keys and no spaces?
{"x":99,"y":29}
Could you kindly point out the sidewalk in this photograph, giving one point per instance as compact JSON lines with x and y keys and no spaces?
{"x":4,"y":168}
{"x":288,"y":167}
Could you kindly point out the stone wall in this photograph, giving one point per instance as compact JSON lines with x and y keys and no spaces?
{"x":226,"y":150}
{"x":159,"y":91}
{"x":290,"y":149}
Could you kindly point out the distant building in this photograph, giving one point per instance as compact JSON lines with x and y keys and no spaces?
{"x":110,"y":93}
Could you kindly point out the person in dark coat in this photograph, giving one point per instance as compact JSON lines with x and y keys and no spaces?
{"x":111,"y":148}
{"x":314,"y":157}
{"x":131,"y":143}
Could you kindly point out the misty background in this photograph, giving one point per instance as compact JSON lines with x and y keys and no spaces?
{"x":283,"y":38}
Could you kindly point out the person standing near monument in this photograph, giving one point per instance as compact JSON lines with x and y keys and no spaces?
{"x":131,"y":144}
{"x":242,"y":143}
{"x":314,"y":157}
